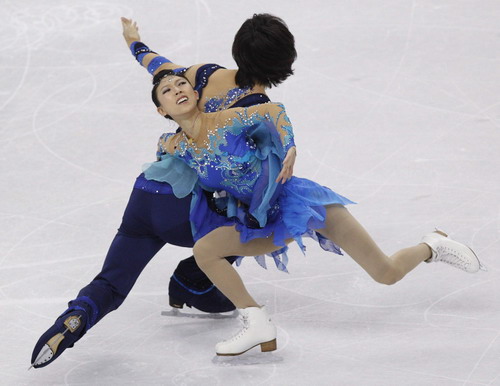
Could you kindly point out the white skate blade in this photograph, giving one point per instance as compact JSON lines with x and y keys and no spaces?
{"x":481,"y":266}
{"x":251,"y":357}
{"x":200,"y":315}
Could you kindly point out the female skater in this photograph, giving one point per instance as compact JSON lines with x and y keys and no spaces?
{"x":264,"y":51}
{"x":240,"y":151}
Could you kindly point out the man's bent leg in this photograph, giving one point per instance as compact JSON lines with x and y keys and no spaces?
{"x":190,"y":286}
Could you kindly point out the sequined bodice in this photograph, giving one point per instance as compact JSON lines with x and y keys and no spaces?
{"x":227,"y":160}
{"x":230,"y":151}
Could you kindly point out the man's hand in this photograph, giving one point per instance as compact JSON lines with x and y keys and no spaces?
{"x":287,"y":169}
{"x":130,"y":31}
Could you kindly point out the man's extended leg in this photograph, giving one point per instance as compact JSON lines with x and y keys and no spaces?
{"x":131,"y":250}
{"x":126,"y":259}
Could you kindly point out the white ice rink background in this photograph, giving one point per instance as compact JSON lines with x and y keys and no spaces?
{"x":395,"y":104}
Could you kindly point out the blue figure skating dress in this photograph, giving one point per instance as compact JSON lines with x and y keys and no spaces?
{"x":240,"y":152}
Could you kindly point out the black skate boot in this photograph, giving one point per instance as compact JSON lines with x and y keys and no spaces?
{"x":209,"y":299}
{"x":191,"y":287}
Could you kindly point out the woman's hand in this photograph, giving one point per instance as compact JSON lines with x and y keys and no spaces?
{"x":287,"y":169}
{"x":130,"y":31}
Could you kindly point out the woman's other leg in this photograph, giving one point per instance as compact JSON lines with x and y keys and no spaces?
{"x":210,"y":252}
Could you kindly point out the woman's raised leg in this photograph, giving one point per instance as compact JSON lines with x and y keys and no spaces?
{"x":343,"y":229}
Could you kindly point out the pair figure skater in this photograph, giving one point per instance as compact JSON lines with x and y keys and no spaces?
{"x":153,"y":216}
{"x":243,"y":152}
{"x":248,"y":152}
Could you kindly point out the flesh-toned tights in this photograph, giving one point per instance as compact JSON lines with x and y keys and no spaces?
{"x":341,"y":228}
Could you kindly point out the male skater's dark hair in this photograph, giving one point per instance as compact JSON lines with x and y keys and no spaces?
{"x":264,"y":50}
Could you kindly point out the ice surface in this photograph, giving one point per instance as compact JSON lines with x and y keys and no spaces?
{"x":395,"y":104}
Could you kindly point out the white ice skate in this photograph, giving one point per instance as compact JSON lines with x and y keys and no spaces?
{"x":451,"y":252}
{"x":258,"y":329}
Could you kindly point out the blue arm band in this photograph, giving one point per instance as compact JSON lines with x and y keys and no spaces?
{"x":140,"y":57}
{"x":140,"y":50}
{"x":179,"y":70}
{"x":157,"y":62}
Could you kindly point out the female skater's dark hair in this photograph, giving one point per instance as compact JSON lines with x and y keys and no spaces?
{"x":264,"y":50}
{"x":156,"y":82}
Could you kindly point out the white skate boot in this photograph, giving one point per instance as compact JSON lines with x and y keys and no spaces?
{"x":258,"y":329}
{"x":451,"y":252}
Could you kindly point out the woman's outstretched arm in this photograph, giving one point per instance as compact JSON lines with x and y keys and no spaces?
{"x":150,"y":60}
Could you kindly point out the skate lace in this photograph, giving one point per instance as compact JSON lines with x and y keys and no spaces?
{"x":452,"y":257}
{"x":245,"y":322}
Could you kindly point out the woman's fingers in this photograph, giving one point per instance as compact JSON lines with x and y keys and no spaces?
{"x":130,"y":30}
{"x":128,"y":23}
{"x":285,"y":174}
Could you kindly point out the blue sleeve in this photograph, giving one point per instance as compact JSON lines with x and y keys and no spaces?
{"x":284,"y":128}
{"x":140,"y":50}
{"x":273,"y":116}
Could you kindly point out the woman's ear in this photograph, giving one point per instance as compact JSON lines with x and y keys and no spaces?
{"x":161,"y":111}
{"x":197,"y":95}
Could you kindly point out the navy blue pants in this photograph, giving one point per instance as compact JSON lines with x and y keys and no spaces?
{"x":153,"y":217}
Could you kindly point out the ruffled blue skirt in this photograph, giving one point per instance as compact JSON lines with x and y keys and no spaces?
{"x":299,"y":210}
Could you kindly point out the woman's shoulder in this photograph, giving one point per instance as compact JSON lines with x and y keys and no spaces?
{"x":225,"y":75}
{"x":214,"y":72}
{"x":168,"y":142}
{"x":168,"y":136}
